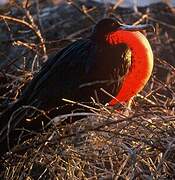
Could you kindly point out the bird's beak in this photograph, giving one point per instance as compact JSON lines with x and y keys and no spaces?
{"x":137,"y":27}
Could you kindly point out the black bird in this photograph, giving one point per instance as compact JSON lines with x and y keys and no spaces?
{"x":76,"y":73}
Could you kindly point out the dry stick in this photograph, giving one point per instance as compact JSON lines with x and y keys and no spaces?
{"x":158,"y":88}
{"x":164,"y":85}
{"x":161,"y":22}
{"x":27,"y":45}
{"x":83,"y":11}
{"x":121,"y":168}
{"x":143,"y":17}
{"x":130,"y":137}
{"x":33,"y":28}
{"x":38,"y":15}
{"x":19,"y":21}
{"x":166,"y":64}
{"x":115,"y":99}
{"x":59,"y":119}
{"x":73,"y":35}
{"x":8,"y":127}
{"x":30,"y":18}
{"x":146,"y":99}
{"x":8,"y":28}
{"x":6,"y":66}
{"x":118,"y":3}
{"x":170,"y":145}
{"x":90,"y":107}
{"x":33,"y":64}
{"x":80,"y":104}
{"x":26,"y":4}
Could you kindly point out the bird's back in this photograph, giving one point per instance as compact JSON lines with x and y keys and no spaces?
{"x":76,"y":73}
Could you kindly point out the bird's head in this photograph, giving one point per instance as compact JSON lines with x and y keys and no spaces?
{"x":108,"y":25}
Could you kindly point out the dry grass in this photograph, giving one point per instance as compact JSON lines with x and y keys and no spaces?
{"x":136,"y":143}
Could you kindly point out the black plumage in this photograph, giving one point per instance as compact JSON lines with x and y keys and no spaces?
{"x":76,"y":73}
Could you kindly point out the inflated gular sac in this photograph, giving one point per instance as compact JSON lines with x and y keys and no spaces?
{"x":141,"y":63}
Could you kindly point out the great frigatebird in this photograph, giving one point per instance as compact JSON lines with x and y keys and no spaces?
{"x":115,"y":57}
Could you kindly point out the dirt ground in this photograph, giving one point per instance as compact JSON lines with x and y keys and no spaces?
{"x":105,"y":145}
